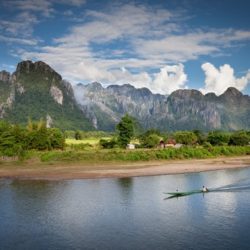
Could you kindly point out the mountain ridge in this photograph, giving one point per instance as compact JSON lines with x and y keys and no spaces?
{"x":182,"y":109}
{"x":36,"y":90}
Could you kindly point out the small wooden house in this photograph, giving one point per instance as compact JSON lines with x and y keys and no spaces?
{"x":170,"y":143}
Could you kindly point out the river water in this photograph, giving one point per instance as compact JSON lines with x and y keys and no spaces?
{"x":128,"y":213}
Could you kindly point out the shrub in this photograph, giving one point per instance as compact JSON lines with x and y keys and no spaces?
{"x":218,"y":138}
{"x":185,"y":137}
{"x":150,"y":141}
{"x":239,"y":139}
{"x":108,"y":143}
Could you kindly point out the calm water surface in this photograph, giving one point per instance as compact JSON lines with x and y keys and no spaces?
{"x":129,"y":213}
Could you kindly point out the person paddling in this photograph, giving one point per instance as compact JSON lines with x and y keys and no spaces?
{"x":204,"y":189}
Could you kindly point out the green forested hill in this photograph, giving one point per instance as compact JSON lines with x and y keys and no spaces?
{"x":37,"y":91}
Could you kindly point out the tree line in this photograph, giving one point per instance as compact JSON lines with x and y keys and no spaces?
{"x":126,"y":131}
{"x":15,"y":140}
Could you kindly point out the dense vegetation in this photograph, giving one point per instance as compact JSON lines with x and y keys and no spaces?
{"x":16,"y":140}
{"x":144,"y":154}
{"x":153,"y":137}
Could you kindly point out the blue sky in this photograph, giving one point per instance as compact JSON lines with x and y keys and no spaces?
{"x":161,"y":45}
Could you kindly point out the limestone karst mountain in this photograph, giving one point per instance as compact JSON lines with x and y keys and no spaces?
{"x":37,"y":91}
{"x":184,"y":109}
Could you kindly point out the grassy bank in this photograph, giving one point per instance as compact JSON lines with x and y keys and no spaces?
{"x":142,"y":154}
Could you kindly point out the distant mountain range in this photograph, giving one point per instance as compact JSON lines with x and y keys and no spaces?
{"x":35,"y":90}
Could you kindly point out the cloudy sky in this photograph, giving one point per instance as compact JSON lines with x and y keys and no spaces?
{"x":161,"y":45}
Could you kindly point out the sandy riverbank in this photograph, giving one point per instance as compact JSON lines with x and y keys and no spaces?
{"x":87,"y":171}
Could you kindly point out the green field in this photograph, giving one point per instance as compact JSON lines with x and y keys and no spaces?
{"x":92,"y":141}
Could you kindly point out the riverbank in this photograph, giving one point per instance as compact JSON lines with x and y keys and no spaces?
{"x":65,"y":171}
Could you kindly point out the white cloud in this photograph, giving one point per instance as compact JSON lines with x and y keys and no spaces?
{"x":118,"y":22}
{"x":169,"y":79}
{"x":123,"y":43}
{"x":123,"y":75}
{"x":21,"y":26}
{"x":218,"y":80}
{"x":189,"y":46}
{"x":18,"y":40}
{"x":30,"y":13}
{"x":43,"y":7}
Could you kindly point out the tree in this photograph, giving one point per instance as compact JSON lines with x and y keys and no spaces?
{"x":201,"y":138}
{"x":150,"y":141}
{"x":185,"y":137}
{"x":107,"y":143}
{"x":125,"y":130}
{"x":240,"y":138}
{"x":218,"y":138}
{"x":56,"y":138}
{"x":150,"y":138}
{"x":12,"y":140}
{"x":78,"y":135}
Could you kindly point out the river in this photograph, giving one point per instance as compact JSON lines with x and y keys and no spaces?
{"x":127,"y":213}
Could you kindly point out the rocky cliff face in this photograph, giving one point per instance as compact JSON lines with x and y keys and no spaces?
{"x":183,"y":109}
{"x":105,"y":106}
{"x":7,"y":94}
{"x":5,"y":76}
{"x":36,"y":91}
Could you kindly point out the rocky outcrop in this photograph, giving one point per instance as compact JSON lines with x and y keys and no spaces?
{"x":7,"y":92}
{"x":105,"y":106}
{"x":26,"y":67}
{"x":57,"y":94}
{"x":49,"y":121}
{"x":191,"y":105}
{"x":5,"y":76}
{"x":183,"y":109}
{"x":35,"y":90}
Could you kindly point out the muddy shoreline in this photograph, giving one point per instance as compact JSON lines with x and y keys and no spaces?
{"x":69,"y":171}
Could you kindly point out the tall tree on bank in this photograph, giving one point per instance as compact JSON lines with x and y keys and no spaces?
{"x":125,"y":130}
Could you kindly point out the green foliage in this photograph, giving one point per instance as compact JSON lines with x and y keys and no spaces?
{"x":80,"y":146}
{"x":201,"y":137}
{"x":218,"y":138}
{"x":138,"y":129}
{"x":108,"y":143}
{"x":78,"y":135}
{"x":56,"y":138}
{"x":144,"y":155}
{"x":240,"y":138}
{"x":185,"y":137}
{"x":125,"y":130}
{"x":10,"y":140}
{"x":5,"y":90}
{"x":15,"y":140}
{"x":36,"y":102}
{"x":207,"y":145}
{"x":43,"y":138}
{"x":150,"y":138}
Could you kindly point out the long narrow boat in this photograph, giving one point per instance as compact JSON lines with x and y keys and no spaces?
{"x":179,"y":194}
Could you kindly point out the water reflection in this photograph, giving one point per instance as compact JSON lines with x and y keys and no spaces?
{"x":125,"y":186}
{"x":125,"y":183}
{"x":127,"y":213}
